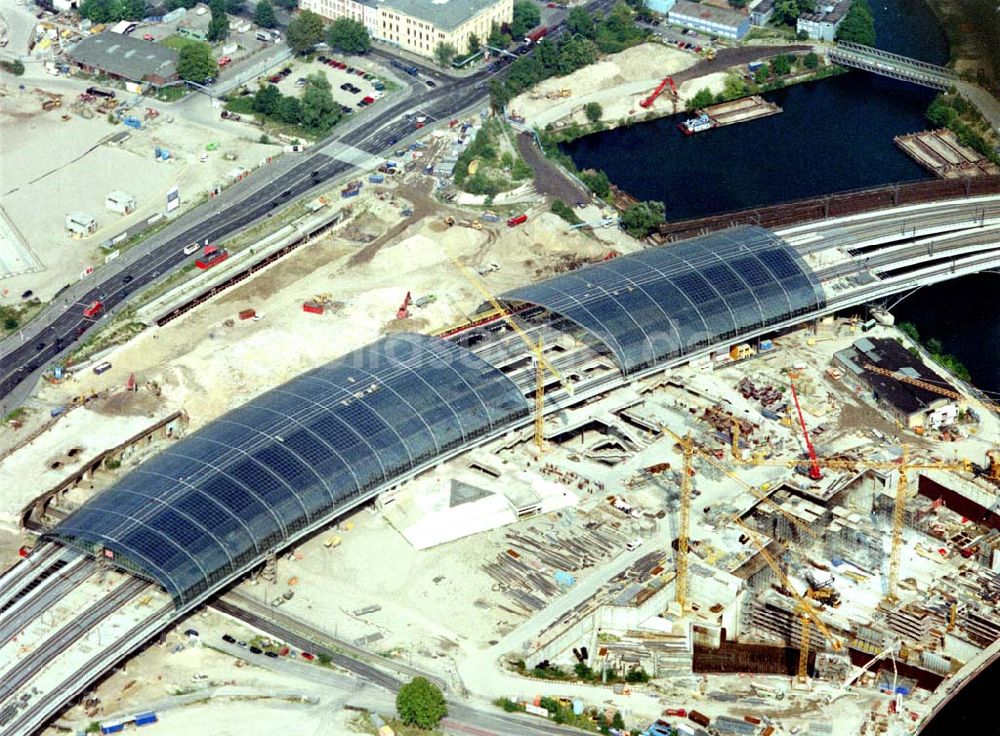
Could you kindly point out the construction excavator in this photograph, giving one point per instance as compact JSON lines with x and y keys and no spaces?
{"x":404,"y":309}
{"x":648,"y":102}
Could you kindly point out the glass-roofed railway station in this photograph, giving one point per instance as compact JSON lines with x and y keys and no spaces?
{"x":213,"y":505}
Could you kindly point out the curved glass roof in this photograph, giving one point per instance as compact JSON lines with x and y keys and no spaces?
{"x":664,"y":302}
{"x":222,"y":497}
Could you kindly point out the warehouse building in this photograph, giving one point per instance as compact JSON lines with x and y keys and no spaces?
{"x":711,"y":20}
{"x":822,"y":24}
{"x":127,"y":58}
{"x":761,"y":11}
{"x":419,"y":26}
{"x":914,"y":407}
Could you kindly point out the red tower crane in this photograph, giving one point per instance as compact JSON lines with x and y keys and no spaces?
{"x":814,"y":472}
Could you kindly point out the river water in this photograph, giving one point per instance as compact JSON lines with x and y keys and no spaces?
{"x":833,"y":135}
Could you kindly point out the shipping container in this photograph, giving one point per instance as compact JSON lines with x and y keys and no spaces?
{"x":144,"y":719}
{"x":376,"y":178}
{"x":768,"y":731}
{"x":312,"y":307}
{"x":752,"y":719}
{"x":700,"y":718}
{"x":515,"y":221}
{"x":211,"y":256}
{"x":489,"y":217}
{"x":247,"y":313}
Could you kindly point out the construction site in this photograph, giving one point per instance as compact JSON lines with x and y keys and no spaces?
{"x":396,"y":431}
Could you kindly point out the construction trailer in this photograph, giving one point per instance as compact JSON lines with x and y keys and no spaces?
{"x":120,"y":202}
{"x":80,"y":224}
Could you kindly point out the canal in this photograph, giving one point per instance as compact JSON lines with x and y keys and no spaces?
{"x":833,"y":135}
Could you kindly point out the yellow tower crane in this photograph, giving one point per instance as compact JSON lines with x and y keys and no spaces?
{"x":541,"y":364}
{"x":899,"y":506}
{"x":688,"y":451}
{"x":807,"y":612}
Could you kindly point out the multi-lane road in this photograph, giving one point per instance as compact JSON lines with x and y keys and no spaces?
{"x":26,"y":354}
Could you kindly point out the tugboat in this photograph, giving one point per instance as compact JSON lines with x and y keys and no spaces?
{"x":696,"y":125}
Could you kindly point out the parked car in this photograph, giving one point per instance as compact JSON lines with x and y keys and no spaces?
{"x":256,"y":650}
{"x":228,"y":638}
{"x":430,"y":83}
{"x":272,"y":655}
{"x":309,"y":656}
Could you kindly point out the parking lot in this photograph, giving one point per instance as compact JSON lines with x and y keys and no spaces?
{"x":350,"y":85}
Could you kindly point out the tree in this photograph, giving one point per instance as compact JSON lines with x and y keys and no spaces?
{"x":444,"y":53}
{"x":781,"y":65}
{"x":581,"y":21}
{"x":702,"y":98}
{"x":195,"y":62}
{"x":266,"y":100}
{"x":264,"y":15}
{"x":761,"y":75}
{"x":287,"y":4}
{"x":304,"y":31}
{"x":474,"y":44}
{"x":641,"y":218}
{"x":235,"y":7}
{"x":420,"y":703}
{"x":858,"y":25}
{"x":526,"y":16}
{"x":786,"y":12}
{"x":319,"y":111}
{"x":498,"y":39}
{"x":110,"y":11}
{"x":350,"y":36}
{"x":617,"y":721}
{"x":597,"y":182}
{"x":593,"y":111}
{"x":14,"y":67}
{"x":288,"y":110}
{"x":499,"y":94}
{"x":174,"y":4}
{"x":576,"y":53}
{"x":218,"y":27}
{"x":810,"y":60}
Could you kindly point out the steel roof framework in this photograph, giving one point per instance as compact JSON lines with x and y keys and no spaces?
{"x":222,"y":497}
{"x":661,"y":303}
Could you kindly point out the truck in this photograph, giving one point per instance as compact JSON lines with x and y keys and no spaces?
{"x":132,"y":122}
{"x":247,"y":313}
{"x":409,"y":69}
{"x":101,"y":92}
{"x":102,"y":367}
{"x":700,"y":718}
{"x":536,"y":35}
{"x":94,"y":309}
{"x":376,"y":178}
{"x":518,"y":220}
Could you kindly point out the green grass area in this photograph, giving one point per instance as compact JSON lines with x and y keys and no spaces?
{"x":363,"y":724}
{"x":178,"y":42}
{"x":13,"y":318}
{"x":498,"y":166}
{"x":172,"y":94}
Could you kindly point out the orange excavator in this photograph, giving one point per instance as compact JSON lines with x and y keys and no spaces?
{"x":404,"y":309}
{"x":648,"y":102}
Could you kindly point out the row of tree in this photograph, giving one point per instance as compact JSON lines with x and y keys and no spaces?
{"x":112,"y":11}
{"x":858,"y":25}
{"x":615,"y":32}
{"x":316,"y":112}
{"x":308,"y":29}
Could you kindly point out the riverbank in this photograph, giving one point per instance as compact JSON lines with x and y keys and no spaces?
{"x":620,"y":82}
{"x":973,"y":33}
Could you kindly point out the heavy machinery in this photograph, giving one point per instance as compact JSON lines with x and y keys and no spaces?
{"x":648,"y":102}
{"x":814,"y":472}
{"x":537,"y":349}
{"x":899,"y":508}
{"x":404,"y":309}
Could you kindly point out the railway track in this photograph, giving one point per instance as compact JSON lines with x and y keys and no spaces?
{"x":65,"y":637}
{"x":33,"y":715}
{"x":23,"y":610}
{"x":834,"y":205}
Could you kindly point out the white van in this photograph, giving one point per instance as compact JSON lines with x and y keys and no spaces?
{"x":633,"y":545}
{"x":262,"y":36}
{"x":189,"y":249}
